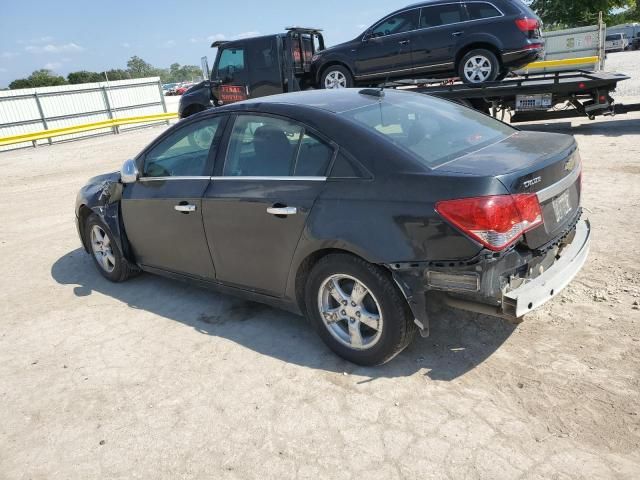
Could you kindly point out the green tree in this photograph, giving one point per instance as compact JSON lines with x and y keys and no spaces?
{"x":84,"y":77}
{"x":575,"y":13}
{"x":39,"y":78}
{"x":139,"y":68}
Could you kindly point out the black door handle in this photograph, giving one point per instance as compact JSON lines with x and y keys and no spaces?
{"x":457,"y":34}
{"x":404,"y":42}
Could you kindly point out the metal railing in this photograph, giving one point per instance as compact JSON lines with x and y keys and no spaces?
{"x":32,"y":117}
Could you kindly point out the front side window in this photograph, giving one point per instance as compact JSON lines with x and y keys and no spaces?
{"x":401,"y":23}
{"x":480,"y":10}
{"x":231,"y":62}
{"x":272,"y":147}
{"x":440,"y":15}
{"x":184,"y":152}
{"x":435,"y":131}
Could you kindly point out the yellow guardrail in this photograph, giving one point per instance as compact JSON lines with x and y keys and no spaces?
{"x":562,"y":63}
{"x":85,"y":127}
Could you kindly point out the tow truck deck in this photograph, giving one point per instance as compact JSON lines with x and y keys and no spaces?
{"x":533,"y":96}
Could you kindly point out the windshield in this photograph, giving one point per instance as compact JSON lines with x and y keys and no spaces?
{"x":434,"y":131}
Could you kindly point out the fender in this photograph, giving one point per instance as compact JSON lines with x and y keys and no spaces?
{"x":199,"y":94}
{"x":332,"y":58}
{"x":102,"y":196}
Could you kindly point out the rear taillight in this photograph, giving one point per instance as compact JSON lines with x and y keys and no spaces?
{"x":495,"y":221}
{"x":527,"y":24}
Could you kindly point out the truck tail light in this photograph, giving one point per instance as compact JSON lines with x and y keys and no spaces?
{"x":496,"y":221}
{"x":527,"y":24}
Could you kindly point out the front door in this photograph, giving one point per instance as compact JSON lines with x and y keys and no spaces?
{"x":231,"y":74}
{"x":386,"y":50}
{"x":256,"y":206}
{"x":434,"y":45}
{"x":162,"y":211}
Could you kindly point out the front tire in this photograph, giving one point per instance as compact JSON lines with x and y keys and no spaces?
{"x":479,"y":66}
{"x":335,"y":77}
{"x":105,"y":253}
{"x":357,"y":310}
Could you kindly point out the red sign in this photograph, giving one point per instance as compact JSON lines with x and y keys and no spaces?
{"x":232,"y":93}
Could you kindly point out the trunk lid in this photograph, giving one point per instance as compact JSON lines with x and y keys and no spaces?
{"x":531,"y":162}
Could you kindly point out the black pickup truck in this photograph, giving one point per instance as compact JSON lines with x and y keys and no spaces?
{"x":256,"y":67}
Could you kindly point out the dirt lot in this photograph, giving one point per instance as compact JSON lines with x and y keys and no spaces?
{"x":154,"y":379}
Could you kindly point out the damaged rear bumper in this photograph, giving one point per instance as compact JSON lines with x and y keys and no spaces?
{"x":507,"y":286}
{"x":534,"y":293}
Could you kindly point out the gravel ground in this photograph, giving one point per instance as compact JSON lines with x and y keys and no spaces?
{"x":629,"y":64}
{"x":155,"y":379}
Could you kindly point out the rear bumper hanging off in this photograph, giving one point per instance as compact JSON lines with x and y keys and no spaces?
{"x":534,"y":293}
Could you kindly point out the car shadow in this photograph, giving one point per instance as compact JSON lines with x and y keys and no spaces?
{"x":606,"y":127}
{"x":459,"y":341}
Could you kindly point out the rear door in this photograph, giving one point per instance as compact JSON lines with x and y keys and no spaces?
{"x":441,"y":28}
{"x":265,"y":69}
{"x":386,"y":50}
{"x":257,"y":205}
{"x":162,"y":211}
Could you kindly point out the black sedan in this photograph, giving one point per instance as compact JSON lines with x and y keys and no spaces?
{"x":356,"y":208}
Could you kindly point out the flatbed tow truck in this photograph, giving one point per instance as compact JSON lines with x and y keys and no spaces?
{"x":281,"y":63}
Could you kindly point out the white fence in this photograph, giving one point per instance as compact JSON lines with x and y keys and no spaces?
{"x":36,"y":109}
{"x":574,"y":43}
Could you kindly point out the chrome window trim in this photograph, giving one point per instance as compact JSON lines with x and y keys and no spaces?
{"x":559,"y":187}
{"x":238,"y":177}
{"x":164,"y":179}
{"x":461,"y":3}
{"x":286,"y":179}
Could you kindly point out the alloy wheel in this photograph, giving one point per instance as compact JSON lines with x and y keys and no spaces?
{"x":335,"y":79}
{"x":350,"y":312}
{"x":101,"y":246}
{"x":477,"y":69}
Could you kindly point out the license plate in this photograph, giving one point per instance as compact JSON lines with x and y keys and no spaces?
{"x":561,"y":206}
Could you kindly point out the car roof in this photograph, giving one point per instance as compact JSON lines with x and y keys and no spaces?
{"x":333,"y":101}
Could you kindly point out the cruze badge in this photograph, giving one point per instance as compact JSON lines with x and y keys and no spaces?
{"x":532,"y":182}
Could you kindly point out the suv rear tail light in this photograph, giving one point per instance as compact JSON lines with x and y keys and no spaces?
{"x":496,"y":221}
{"x":527,"y":24}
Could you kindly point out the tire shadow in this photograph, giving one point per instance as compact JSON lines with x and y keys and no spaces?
{"x":459,"y":341}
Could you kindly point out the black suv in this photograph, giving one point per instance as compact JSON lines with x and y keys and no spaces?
{"x":479,"y":41}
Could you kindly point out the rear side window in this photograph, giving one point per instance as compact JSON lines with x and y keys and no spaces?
{"x":434,"y":131}
{"x":480,"y":10}
{"x":262,"y":146}
{"x":439,"y":15}
{"x":401,"y":23}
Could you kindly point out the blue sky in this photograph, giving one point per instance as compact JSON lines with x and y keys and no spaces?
{"x":71,"y":35}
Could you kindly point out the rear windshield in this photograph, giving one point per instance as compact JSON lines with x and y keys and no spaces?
{"x":613,"y":37}
{"x":434,"y":131}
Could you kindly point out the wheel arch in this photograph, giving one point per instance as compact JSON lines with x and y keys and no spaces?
{"x":193,"y":109}
{"x":304,"y":268}
{"x":332,"y":63}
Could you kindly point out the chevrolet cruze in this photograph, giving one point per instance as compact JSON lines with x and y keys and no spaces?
{"x":355,"y":208}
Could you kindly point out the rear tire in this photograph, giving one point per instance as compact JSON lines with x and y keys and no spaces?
{"x":479,"y":66}
{"x":105,"y":253}
{"x":375,"y":323}
{"x":335,"y":77}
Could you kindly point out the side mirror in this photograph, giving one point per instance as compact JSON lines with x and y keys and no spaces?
{"x":367,"y":36}
{"x":129,"y":172}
